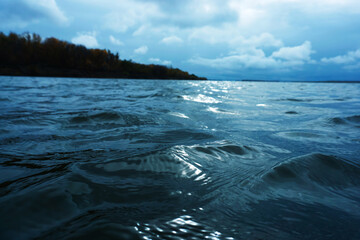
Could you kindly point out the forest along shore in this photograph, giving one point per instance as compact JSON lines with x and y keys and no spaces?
{"x":30,"y":55}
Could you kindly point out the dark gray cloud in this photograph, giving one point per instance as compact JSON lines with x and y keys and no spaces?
{"x":20,"y":13}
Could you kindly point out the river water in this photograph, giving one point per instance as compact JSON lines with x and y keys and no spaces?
{"x":148,"y":159}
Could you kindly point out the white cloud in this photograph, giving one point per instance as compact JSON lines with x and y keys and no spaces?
{"x":229,"y":34}
{"x":350,"y":61}
{"x":290,"y":16}
{"x":189,"y":13}
{"x":141,"y":50}
{"x":159,"y":61}
{"x":262,"y":40}
{"x":171,"y":40}
{"x":118,"y":22}
{"x":86,"y":39}
{"x":126,"y":14}
{"x":115,"y":41}
{"x":241,"y":61}
{"x":255,"y":58}
{"x":307,"y":6}
{"x":298,"y":53}
{"x":142,"y":30}
{"x":350,"y":57}
{"x":249,"y":52}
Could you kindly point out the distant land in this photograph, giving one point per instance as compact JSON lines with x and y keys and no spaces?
{"x":303,"y":81}
{"x":29,"y":55}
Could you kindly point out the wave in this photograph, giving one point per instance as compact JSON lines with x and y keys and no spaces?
{"x":351,"y":120}
{"x":90,"y":226}
{"x":306,"y":135}
{"x":102,"y":116}
{"x":197,"y":168}
{"x":181,"y":161}
{"x":182,"y":136}
{"x":170,"y":161}
{"x":31,"y":138}
{"x":222,"y":151}
{"x":312,"y":179}
{"x":4,"y":99}
{"x":108,"y":119}
{"x":355,"y":119}
{"x":291,"y":112}
{"x":324,"y":170}
{"x":295,"y":100}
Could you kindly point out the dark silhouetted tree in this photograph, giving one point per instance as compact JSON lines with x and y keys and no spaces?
{"x":28,"y":54}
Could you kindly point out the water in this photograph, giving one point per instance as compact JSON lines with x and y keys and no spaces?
{"x":132,"y":159}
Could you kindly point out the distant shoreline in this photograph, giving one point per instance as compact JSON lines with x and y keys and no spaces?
{"x":100,"y":77}
{"x":104,"y":76}
{"x":303,"y":81}
{"x":27,"y":71}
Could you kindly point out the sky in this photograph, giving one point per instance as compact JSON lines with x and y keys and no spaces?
{"x":217,"y":39}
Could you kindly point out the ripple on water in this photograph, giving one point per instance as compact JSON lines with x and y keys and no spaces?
{"x":291,"y":112}
{"x":90,"y":199}
{"x":118,"y":197}
{"x":165,"y":162}
{"x":222,"y":151}
{"x":106,"y":117}
{"x":107,"y":120}
{"x":346,"y":121}
{"x":296,"y":100}
{"x":314,"y":178}
{"x":309,"y":136}
{"x":329,"y":171}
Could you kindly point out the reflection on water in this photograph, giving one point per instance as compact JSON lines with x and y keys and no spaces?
{"x":201,"y":98}
{"x":131,"y":159}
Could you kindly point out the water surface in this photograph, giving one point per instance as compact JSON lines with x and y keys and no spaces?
{"x":133,"y":159}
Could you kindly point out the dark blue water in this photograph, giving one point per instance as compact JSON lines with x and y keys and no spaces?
{"x":132,"y":159}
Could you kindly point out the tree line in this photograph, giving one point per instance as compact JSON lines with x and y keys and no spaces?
{"x":30,"y":55}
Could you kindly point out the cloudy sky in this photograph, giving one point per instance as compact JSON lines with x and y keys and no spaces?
{"x":218,"y":39}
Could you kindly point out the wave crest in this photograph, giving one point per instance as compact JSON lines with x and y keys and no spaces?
{"x":328,"y":171}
